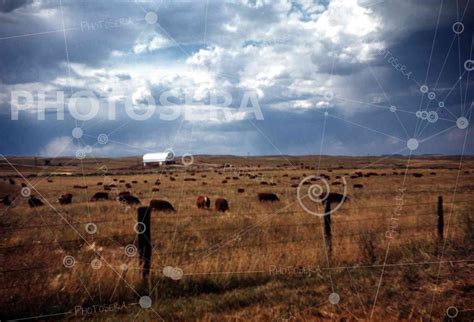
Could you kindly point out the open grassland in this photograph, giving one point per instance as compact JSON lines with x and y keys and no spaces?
{"x":258,"y":261}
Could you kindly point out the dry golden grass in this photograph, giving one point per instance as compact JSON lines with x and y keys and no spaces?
{"x":259,"y":261}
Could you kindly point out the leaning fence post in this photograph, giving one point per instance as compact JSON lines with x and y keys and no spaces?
{"x":327,"y":225}
{"x":144,"y":239}
{"x":440,"y":218}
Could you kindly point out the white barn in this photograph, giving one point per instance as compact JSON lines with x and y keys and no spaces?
{"x":159,"y":158}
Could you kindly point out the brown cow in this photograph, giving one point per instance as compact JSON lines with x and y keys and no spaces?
{"x":128,"y":185}
{"x":65,"y":199}
{"x":221,"y":205}
{"x":240,"y":190}
{"x":161,"y":205}
{"x":267,"y":196}
{"x":34,"y":202}
{"x":358,"y":186}
{"x":123,"y":193}
{"x":100,"y":196}
{"x":203,"y":202}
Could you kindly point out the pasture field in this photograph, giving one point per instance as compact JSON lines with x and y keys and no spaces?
{"x":261,"y":261}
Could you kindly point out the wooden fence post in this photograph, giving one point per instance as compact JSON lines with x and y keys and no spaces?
{"x":327,"y":225}
{"x":144,"y":239}
{"x":440,"y":218}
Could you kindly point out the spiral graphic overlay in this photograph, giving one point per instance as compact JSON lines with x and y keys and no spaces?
{"x":313,"y":192}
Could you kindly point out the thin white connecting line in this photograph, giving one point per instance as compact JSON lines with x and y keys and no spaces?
{"x":429,"y":61}
{"x":388,"y":246}
{"x":449,"y":219}
{"x":67,"y":222}
{"x":388,"y":99}
{"x":39,"y":33}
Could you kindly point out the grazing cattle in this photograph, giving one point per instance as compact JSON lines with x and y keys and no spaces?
{"x":433,"y":173}
{"x":11,"y":181}
{"x":6,"y":200}
{"x":333,"y":197}
{"x":99,"y":183}
{"x":224,"y":181}
{"x":221,"y":205}
{"x":294,"y":185}
{"x":100,"y":196}
{"x":34,"y":202}
{"x":161,"y":205}
{"x":204,"y":183}
{"x":80,"y":187}
{"x":23,"y":185}
{"x":65,"y":199}
{"x":145,"y":181}
{"x":122,"y":181}
{"x":155,"y":189}
{"x":134,"y":181}
{"x":336,"y":183}
{"x":263,"y":183}
{"x":240,"y":190}
{"x":129,"y":199}
{"x":123,"y":193}
{"x":189,"y":179}
{"x":203,"y":202}
{"x":267,"y":196}
{"x":417,"y":175}
{"x":172,"y":179}
{"x":50,"y":181}
{"x":128,"y":186}
{"x":358,"y":186}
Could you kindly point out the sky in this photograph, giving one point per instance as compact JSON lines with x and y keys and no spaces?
{"x":241,"y":77}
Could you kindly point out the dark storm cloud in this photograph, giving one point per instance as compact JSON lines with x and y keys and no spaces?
{"x":100,"y":34}
{"x":10,"y":5}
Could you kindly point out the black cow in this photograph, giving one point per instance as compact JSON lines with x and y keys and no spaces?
{"x":267,"y":196}
{"x":65,"y":199}
{"x":161,"y":205}
{"x":100,"y":196}
{"x":34,"y":202}
{"x":129,"y":199}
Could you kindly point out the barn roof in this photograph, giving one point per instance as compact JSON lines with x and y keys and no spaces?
{"x":158,"y":157}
